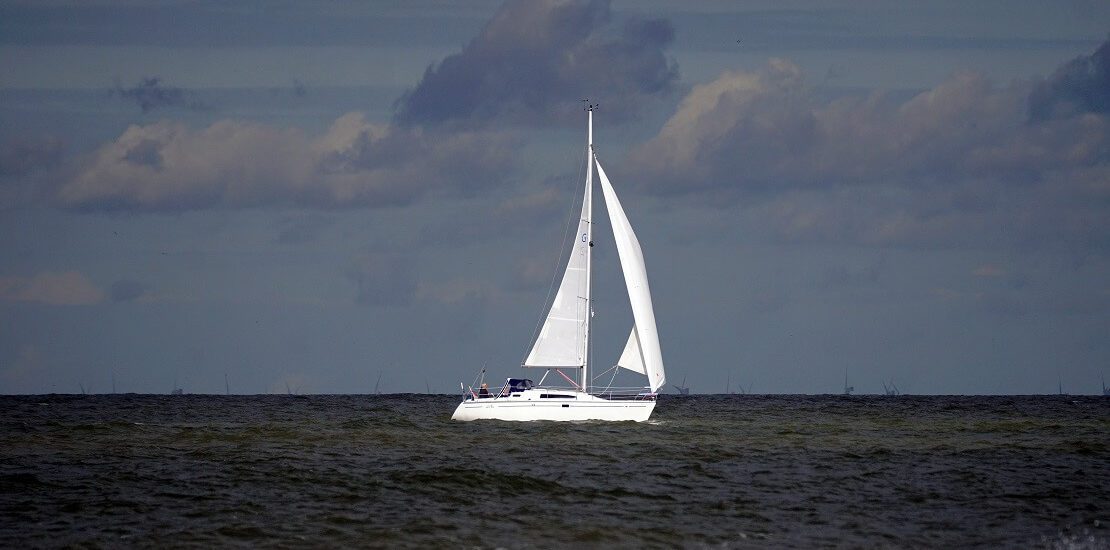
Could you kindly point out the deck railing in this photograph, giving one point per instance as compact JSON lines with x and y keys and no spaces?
{"x":610,"y":393}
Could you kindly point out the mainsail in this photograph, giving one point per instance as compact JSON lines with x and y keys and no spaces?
{"x":644,"y":332}
{"x":562,"y":340}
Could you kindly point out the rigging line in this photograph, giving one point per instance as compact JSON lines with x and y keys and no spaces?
{"x":611,"y":380}
{"x":558,"y":259}
{"x":567,"y":378}
{"x":590,"y":350}
{"x":615,"y":369}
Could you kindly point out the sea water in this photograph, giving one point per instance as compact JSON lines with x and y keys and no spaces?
{"x":706,"y":471}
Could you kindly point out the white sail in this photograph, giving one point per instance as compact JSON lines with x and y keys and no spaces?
{"x":562,"y":339}
{"x":632,"y":359}
{"x":635,"y":278}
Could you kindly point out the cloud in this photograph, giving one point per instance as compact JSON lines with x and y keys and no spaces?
{"x":536,"y":59}
{"x":751,"y":133}
{"x":68,"y":288}
{"x":125,"y":290}
{"x":167,"y":166}
{"x":989,"y":271}
{"x":299,"y":88}
{"x":955,"y":164}
{"x":149,"y":94}
{"x":383,"y":279}
{"x":532,"y":62}
{"x":1080,"y":86}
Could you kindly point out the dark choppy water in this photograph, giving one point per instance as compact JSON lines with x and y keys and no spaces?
{"x":721,"y":471}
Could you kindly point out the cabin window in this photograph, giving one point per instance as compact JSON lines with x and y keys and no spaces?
{"x":555,"y":396}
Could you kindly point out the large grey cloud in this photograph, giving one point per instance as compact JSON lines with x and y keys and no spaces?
{"x":168,"y":166}
{"x":956,"y":163}
{"x":536,"y":59}
{"x":1081,"y":85}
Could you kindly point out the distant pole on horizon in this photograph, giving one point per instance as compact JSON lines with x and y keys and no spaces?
{"x":227,"y":387}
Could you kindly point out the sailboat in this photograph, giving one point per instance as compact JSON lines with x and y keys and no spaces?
{"x":682,"y":388}
{"x":563,"y":341}
{"x":891,"y":389}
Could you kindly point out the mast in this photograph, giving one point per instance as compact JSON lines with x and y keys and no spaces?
{"x":590,"y":239}
{"x":562,"y":337}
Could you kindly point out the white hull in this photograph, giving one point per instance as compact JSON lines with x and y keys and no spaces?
{"x":530,"y":406}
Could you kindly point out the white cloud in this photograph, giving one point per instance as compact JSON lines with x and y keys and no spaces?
{"x":167,"y":166}
{"x":953,"y":165}
{"x":68,"y":288}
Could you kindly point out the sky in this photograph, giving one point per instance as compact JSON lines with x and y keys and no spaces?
{"x":333,"y":197}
